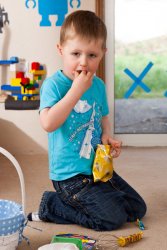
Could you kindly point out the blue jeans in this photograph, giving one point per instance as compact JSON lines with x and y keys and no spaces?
{"x":100,"y":206}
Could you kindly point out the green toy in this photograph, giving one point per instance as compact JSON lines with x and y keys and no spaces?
{"x":58,"y":239}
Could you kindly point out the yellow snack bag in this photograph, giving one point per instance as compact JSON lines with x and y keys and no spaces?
{"x":103,"y":164}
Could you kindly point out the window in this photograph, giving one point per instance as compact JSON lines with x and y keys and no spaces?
{"x":137,"y":48}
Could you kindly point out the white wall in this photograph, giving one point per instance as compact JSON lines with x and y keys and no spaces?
{"x":24,"y":38}
{"x":20,"y":131}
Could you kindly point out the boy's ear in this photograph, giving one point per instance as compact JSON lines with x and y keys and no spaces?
{"x":59,"y":48}
{"x":105,"y":50}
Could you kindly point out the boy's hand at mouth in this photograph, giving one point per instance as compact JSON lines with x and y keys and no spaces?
{"x":82,"y":80}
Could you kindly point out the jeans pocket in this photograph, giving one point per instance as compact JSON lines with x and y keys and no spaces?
{"x":80,"y":198}
{"x":72,"y":189}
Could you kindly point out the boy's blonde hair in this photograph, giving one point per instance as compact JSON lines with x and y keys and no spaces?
{"x":85,"y":24}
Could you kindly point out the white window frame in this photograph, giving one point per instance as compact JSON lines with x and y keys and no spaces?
{"x":127,"y":139}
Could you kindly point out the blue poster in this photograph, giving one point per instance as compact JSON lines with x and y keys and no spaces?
{"x":52,"y":7}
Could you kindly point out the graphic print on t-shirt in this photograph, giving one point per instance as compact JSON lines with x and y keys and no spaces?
{"x":85,"y":134}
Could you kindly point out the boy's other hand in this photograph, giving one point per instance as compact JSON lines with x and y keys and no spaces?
{"x":115,"y":145}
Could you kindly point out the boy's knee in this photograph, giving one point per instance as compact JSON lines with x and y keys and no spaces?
{"x":143,"y":210}
{"x":113,"y":223}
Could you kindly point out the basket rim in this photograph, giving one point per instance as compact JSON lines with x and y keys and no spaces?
{"x":13,"y":160}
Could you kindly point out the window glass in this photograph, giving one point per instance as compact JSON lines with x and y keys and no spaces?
{"x":140,"y":67}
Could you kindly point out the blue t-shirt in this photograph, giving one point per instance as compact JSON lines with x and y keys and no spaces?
{"x":72,"y":146}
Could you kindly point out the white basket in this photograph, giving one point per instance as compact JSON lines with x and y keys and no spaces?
{"x":10,"y":241}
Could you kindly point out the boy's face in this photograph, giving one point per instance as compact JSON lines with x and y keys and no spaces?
{"x":80,"y":54}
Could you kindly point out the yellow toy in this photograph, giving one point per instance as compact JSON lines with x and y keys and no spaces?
{"x":125,"y":240}
{"x":103,"y":164}
{"x":106,"y":241}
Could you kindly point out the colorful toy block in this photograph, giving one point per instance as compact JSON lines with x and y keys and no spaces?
{"x":19,"y":74}
{"x":38,"y":72}
{"x":25,"y":81}
{"x":12,"y":60}
{"x":35,"y":66}
{"x":24,"y":84}
{"x":15,"y":81}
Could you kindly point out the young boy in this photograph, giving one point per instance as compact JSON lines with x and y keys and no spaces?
{"x":74,"y":112}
